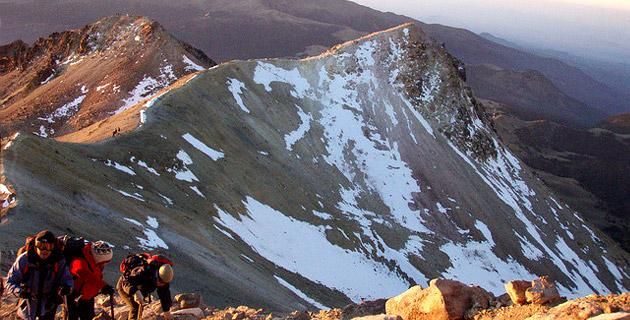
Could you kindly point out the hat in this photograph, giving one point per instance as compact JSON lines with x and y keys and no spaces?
{"x":45,"y":236}
{"x":166,"y":273}
{"x":102,"y":252}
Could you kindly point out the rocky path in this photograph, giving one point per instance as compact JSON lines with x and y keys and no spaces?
{"x":191,"y":307}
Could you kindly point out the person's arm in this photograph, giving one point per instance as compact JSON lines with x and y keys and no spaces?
{"x":164,"y":293}
{"x":15,"y":276}
{"x":65,"y":280}
{"x":128,"y":287}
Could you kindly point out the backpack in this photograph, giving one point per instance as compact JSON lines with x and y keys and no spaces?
{"x":29,"y":244}
{"x":144,"y":259}
{"x":71,"y":247}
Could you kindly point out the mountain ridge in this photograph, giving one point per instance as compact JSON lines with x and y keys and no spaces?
{"x":376,"y":153}
{"x":71,"y":79}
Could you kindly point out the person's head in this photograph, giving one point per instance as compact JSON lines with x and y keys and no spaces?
{"x":165,"y":274}
{"x":102,"y":252}
{"x":44,"y":244}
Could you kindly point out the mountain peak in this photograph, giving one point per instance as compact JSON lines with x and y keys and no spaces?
{"x":72,"y":79}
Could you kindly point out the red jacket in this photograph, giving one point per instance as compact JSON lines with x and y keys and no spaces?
{"x":88,"y":277}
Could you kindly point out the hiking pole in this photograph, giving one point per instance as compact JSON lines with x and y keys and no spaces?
{"x":65,"y":306}
{"x":111,"y":302}
{"x":140,"y":310}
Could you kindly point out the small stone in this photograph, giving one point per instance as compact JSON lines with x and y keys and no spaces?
{"x":542,"y":291}
{"x":188,"y":300}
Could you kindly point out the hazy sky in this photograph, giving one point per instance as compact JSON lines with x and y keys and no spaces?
{"x":586,"y":27}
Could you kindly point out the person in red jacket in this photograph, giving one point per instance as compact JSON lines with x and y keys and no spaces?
{"x":87,"y":272}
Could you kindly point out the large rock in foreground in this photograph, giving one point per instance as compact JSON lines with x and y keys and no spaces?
{"x":442,"y":300}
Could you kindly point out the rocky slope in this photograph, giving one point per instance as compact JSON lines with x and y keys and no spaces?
{"x":294,"y":184}
{"x":192,"y":307}
{"x":530,"y":96}
{"x":70,"y":80}
{"x":586,"y":168}
{"x":619,"y":123}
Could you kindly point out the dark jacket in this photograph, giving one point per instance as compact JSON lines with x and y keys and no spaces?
{"x":41,"y":279}
{"x":145,"y":279}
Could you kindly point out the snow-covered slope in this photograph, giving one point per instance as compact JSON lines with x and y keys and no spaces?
{"x":296,"y":183}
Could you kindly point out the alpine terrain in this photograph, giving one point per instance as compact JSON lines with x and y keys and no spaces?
{"x":71,"y":79}
{"x":308,"y":183}
{"x":529,"y":85}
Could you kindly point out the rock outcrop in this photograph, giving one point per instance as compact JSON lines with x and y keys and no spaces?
{"x":542,"y":291}
{"x":442,"y":300}
{"x":72,"y":79}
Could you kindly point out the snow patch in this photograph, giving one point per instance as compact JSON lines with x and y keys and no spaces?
{"x":196,"y":190}
{"x":120,"y":167}
{"x":135,"y":196}
{"x":190,"y":65}
{"x":301,"y":294}
{"x":305,"y":124}
{"x":184,"y":173}
{"x":152,"y":241}
{"x":213,"y":154}
{"x":298,"y":247}
{"x":236,"y":88}
{"x":152,"y":222}
{"x":322,"y":215}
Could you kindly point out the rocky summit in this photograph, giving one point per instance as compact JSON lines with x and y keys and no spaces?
{"x":71,"y":79}
{"x":314,"y":183}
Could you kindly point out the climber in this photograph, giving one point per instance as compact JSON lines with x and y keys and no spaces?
{"x":87,"y":270}
{"x":141,"y":275}
{"x":40,"y":278}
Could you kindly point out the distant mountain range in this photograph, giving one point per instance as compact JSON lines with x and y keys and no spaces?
{"x":614,"y":75}
{"x":296,"y":184}
{"x":248,"y":29}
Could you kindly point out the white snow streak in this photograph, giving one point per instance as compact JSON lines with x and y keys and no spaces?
{"x":236,"y":88}
{"x":305,"y":124}
{"x":190,"y":65}
{"x":301,"y":294}
{"x":213,"y":154}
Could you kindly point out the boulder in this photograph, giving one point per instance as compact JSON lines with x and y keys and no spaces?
{"x":516,"y":290}
{"x":366,"y":308}
{"x":196,"y":312}
{"x":542,"y":291}
{"x":298,"y":315}
{"x":442,"y":300}
{"x":379,"y":317}
{"x":612,"y":316}
{"x":402,"y":303}
{"x":188,"y":300}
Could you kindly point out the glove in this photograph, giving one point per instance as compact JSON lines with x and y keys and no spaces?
{"x":107,"y":290}
{"x":24,"y":294}
{"x":64,"y":291}
{"x":138,"y":297}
